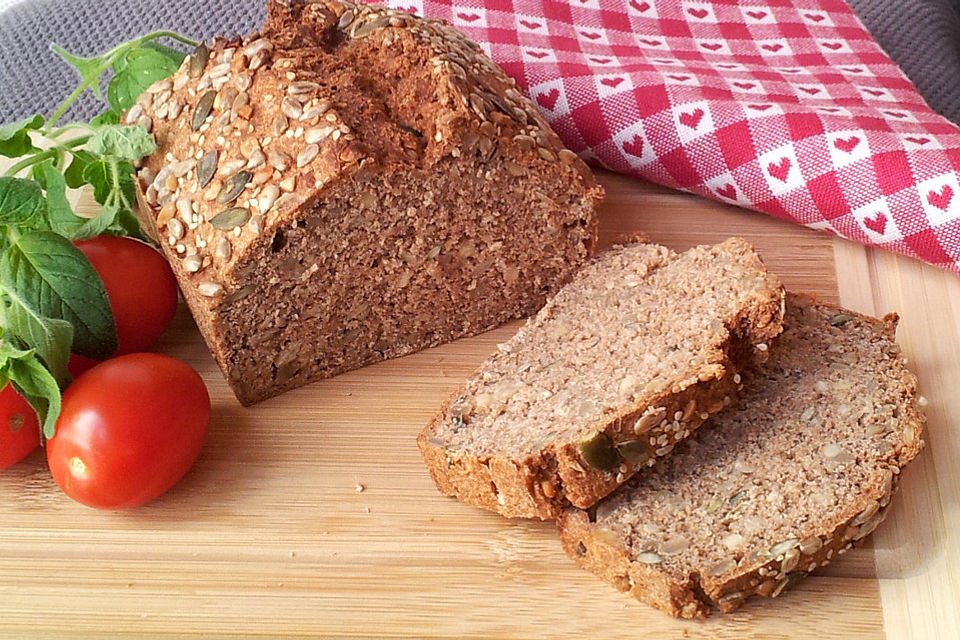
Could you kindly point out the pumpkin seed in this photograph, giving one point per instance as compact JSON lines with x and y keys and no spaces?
{"x":599,"y":452}
{"x":840,"y":319}
{"x":230,"y":218}
{"x":233,"y":187}
{"x":207,"y":168}
{"x":204,"y":106}
{"x":636,"y":451}
{"x":199,"y":59}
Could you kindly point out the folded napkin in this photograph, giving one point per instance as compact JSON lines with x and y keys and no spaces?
{"x":787,"y":107}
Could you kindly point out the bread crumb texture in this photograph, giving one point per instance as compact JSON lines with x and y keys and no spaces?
{"x":620,"y":365}
{"x":354,"y":183}
{"x":768,"y":491}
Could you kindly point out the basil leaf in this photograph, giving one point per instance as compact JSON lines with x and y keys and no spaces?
{"x":74,"y":171}
{"x":127,"y":141}
{"x":21,"y":201}
{"x":174,"y":55}
{"x":95,"y":226}
{"x":107,"y":117}
{"x":55,"y":279}
{"x":89,"y":68}
{"x":111,"y":179}
{"x":15,"y":139}
{"x":32,"y":380}
{"x":51,"y":338}
{"x":60,"y":215}
{"x":140,"y":69}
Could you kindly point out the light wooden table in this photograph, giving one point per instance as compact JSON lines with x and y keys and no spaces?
{"x":268,"y":535}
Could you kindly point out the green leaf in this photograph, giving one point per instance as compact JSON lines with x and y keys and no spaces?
{"x":15,"y":138}
{"x":56,"y":280}
{"x":129,"y":225}
{"x":139,"y":69}
{"x":21,"y":201}
{"x":89,"y":68}
{"x":74,"y":172}
{"x":97,"y":225}
{"x":175,"y":55}
{"x":112,"y":181}
{"x":130,"y":142}
{"x":107,"y":117}
{"x":33,"y":382}
{"x":50,"y":338}
{"x":60,"y":215}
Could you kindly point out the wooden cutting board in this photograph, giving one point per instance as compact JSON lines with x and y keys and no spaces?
{"x":311,"y":515}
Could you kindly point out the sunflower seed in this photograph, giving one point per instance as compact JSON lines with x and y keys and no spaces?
{"x":219,"y":71}
{"x":243,"y":80}
{"x":257,"y":159}
{"x":809,"y":546}
{"x":546,"y":154}
{"x":723,"y":567}
{"x":308,"y":153}
{"x":733,"y":541}
{"x":135,"y":112}
{"x":317,"y":134}
{"x":278,"y":160}
{"x":790,"y":560}
{"x":345,"y":19}
{"x":870,"y":511}
{"x":199,"y":59}
{"x":291,"y":107}
{"x":223,"y":248}
{"x":649,"y":557}
{"x":230,"y":167}
{"x":192,"y":264}
{"x":316,"y":111}
{"x":230,"y":218}
{"x":210,"y":289}
{"x":204,"y":105}
{"x":175,"y":228}
{"x":233,"y":187}
{"x":255,"y":47}
{"x":206,"y":168}
{"x":240,"y":294}
{"x":366,"y":29}
{"x":279,"y":125}
{"x":268,"y":196}
{"x":730,"y":597}
{"x":183,"y":208}
{"x":302,"y":87}
{"x":676,"y":544}
{"x":783,"y":547}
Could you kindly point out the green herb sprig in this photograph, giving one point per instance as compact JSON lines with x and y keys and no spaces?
{"x":52,"y":301}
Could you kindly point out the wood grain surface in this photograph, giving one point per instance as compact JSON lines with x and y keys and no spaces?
{"x":311,"y":514}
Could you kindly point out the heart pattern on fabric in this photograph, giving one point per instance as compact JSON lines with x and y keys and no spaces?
{"x":548,"y":100}
{"x":780,"y":170}
{"x":790,"y":108}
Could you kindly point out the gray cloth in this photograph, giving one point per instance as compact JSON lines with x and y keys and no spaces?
{"x":35,"y":79}
{"x":922,"y":36}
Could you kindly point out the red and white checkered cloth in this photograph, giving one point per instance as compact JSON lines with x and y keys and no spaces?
{"x":784,"y":106}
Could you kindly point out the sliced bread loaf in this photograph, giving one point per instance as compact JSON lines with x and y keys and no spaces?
{"x":622,"y":363}
{"x":765,"y":494}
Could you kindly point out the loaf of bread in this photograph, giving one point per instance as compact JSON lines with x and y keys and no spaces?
{"x":352,"y":184}
{"x":764,"y":494}
{"x":622,"y":363}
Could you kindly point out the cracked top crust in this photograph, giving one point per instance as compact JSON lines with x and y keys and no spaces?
{"x":253,"y":131}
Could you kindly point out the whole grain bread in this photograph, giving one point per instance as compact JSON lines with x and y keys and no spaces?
{"x":350,"y":184}
{"x":622,"y":363}
{"x":765,"y":494}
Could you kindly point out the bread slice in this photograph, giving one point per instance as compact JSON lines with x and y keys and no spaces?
{"x":622,"y":363}
{"x":354,"y":183}
{"x":765,"y":494}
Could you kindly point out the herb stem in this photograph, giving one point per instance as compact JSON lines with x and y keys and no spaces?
{"x":107,"y":61}
{"x":52,"y":152}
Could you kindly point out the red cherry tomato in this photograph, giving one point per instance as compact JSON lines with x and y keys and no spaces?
{"x":130,"y":428}
{"x":79,"y":364}
{"x":19,"y":427}
{"x":140,"y":286}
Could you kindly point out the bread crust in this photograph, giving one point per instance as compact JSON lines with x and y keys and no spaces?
{"x":556,"y":476}
{"x":321,"y":140}
{"x":695,"y":595}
